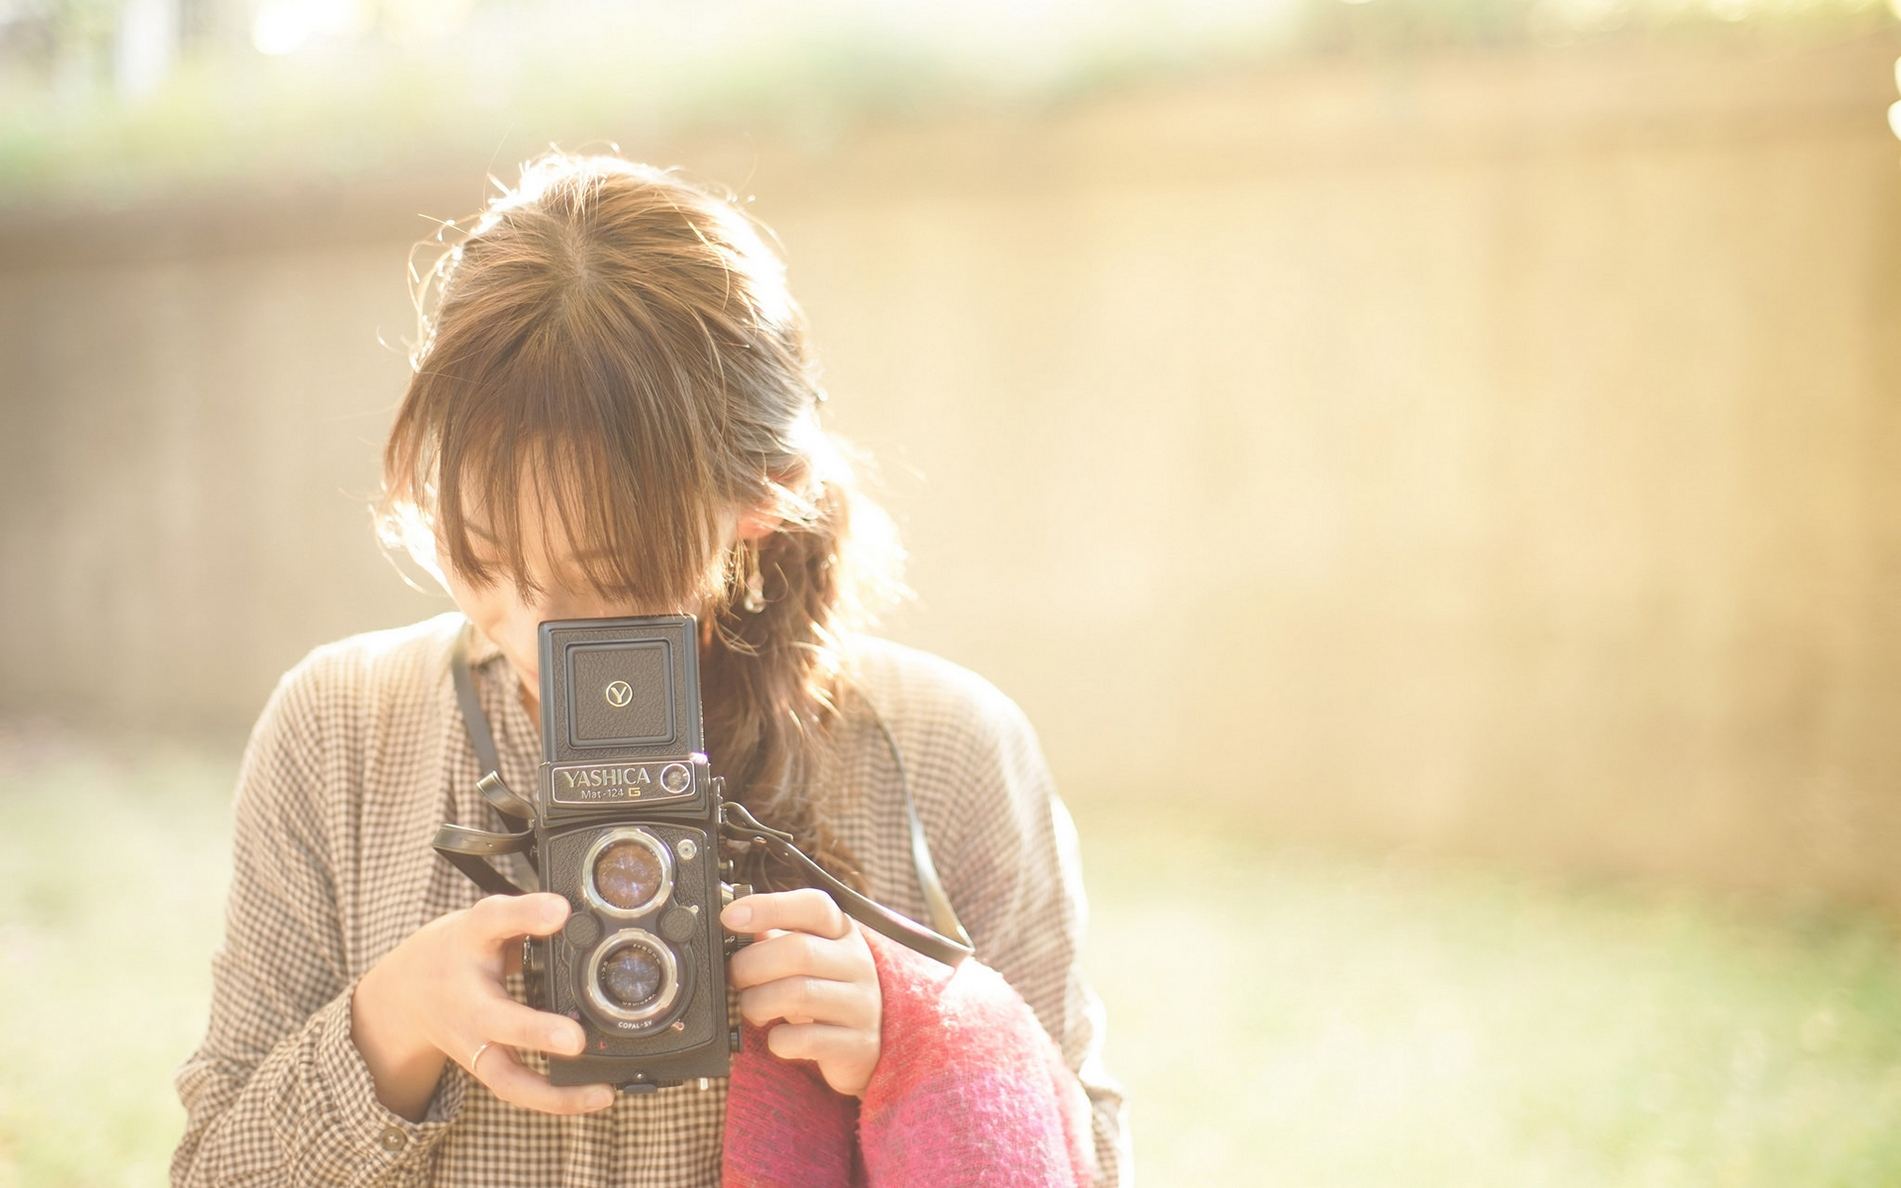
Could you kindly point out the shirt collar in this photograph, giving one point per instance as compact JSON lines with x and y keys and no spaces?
{"x":482,"y":649}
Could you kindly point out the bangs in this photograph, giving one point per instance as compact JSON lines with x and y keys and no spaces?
{"x":616,"y":472}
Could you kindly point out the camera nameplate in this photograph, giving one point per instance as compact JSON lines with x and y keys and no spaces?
{"x":618,"y":783}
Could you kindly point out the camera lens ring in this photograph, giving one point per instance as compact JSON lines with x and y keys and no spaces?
{"x":669,"y":976}
{"x":663,"y":857}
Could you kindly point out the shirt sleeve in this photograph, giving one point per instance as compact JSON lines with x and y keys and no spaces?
{"x":1014,"y":875}
{"x":277,"y":1092}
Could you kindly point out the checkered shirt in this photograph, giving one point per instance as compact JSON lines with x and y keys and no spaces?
{"x":360,"y":752}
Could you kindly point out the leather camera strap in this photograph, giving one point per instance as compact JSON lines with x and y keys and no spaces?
{"x":740,"y":825}
{"x":936,"y":901}
{"x":469,"y":850}
{"x":473,"y":719}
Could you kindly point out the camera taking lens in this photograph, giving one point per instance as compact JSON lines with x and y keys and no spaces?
{"x":632,"y":976}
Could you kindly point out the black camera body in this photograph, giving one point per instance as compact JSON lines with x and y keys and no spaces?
{"x":627,"y":827}
{"x":628,"y":822}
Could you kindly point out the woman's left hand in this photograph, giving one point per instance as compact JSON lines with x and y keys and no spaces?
{"x":810,"y":966}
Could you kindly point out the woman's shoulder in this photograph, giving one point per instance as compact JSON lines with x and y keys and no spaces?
{"x":384,"y":658}
{"x":345,"y":709}
{"x":944,"y":712}
{"x":341,"y":685}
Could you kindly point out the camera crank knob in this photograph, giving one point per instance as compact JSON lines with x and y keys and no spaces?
{"x":735,"y":941}
{"x":732,"y":1039}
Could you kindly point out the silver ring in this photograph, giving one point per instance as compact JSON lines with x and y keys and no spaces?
{"x":486,"y":1044}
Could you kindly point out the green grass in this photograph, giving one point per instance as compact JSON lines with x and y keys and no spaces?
{"x":111,"y":896}
{"x":1305,"y":1020}
{"x":1279,"y":1017}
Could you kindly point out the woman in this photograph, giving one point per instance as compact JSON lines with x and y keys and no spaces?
{"x":614,"y":410}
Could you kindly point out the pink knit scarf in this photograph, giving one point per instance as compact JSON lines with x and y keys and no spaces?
{"x":969,"y":1089}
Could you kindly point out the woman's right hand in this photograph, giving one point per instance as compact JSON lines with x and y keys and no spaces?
{"x":439,"y":996}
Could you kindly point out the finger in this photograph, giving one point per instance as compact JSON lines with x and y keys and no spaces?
{"x":819,"y":1041}
{"x":496,"y":918}
{"x":807,"y":1000}
{"x":806,"y":909}
{"x":795,"y":954}
{"x":518,"y":1085}
{"x":502,"y":1019}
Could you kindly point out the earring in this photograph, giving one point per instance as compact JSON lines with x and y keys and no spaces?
{"x":755,"y":600}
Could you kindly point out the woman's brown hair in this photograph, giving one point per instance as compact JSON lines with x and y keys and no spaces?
{"x":625,"y":336}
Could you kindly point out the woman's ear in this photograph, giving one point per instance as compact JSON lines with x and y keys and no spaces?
{"x":757,"y":524}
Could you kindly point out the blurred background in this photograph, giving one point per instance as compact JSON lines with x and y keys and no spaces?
{"x":1431,"y":470}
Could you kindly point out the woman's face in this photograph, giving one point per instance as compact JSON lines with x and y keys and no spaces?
{"x":508,"y":616}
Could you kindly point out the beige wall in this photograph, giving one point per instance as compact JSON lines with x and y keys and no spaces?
{"x":1487,"y":455}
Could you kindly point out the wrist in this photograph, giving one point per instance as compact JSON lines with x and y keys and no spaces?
{"x":404,"y":1066}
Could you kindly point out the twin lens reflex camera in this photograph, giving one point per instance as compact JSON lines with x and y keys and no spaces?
{"x":628,"y":823}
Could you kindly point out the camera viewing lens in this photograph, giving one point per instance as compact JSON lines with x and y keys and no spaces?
{"x":631,"y":976}
{"x":628,"y":874}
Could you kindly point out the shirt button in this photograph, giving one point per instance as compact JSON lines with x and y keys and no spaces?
{"x":393,"y":1138}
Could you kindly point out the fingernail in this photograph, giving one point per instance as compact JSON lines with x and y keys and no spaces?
{"x":737,"y":915}
{"x":556,"y":909}
{"x":601,"y":1098}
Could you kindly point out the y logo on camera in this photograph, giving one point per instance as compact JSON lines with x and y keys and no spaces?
{"x":619,"y":693}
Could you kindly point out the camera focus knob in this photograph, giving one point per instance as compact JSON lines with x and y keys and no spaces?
{"x":533,"y":972}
